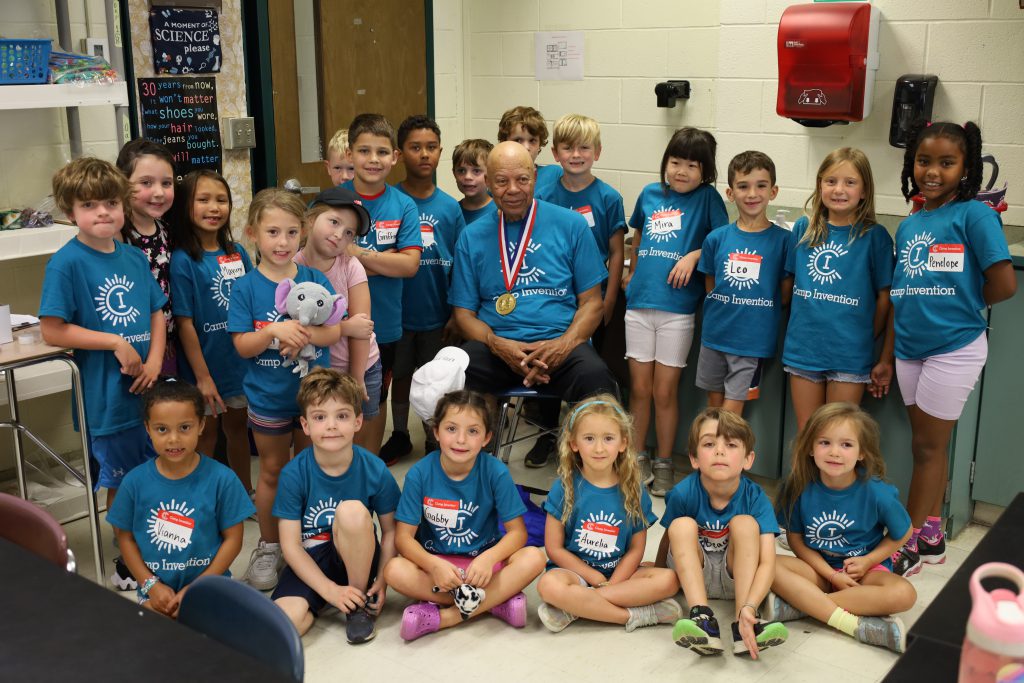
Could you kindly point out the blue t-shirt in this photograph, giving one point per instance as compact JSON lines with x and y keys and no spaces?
{"x":599,"y":203}
{"x":458,"y":517}
{"x":941,"y":257}
{"x":307,"y":493}
{"x":688,"y":498}
{"x":177,"y":523}
{"x":599,"y":530}
{"x":848,"y":522}
{"x":394,"y":224}
{"x":470,"y":215}
{"x":561,"y":262}
{"x":201,"y":290}
{"x":113,"y":293}
{"x":742,"y":312}
{"x":269,"y":386}
{"x":832,"y":316}
{"x":425,"y":295}
{"x":671,"y":226}
{"x":547,"y":174}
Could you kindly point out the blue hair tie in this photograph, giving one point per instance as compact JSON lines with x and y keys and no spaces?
{"x":581,"y":406}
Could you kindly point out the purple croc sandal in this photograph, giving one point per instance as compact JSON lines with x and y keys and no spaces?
{"x":512,"y":611}
{"x":419,"y":619}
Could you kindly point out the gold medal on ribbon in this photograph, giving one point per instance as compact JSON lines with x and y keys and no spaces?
{"x":505,"y":304}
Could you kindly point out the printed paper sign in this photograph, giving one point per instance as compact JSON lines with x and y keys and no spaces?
{"x":441,"y":513}
{"x":387,"y":231}
{"x":558,"y":55}
{"x":946,"y":258}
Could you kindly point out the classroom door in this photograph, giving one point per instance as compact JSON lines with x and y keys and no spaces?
{"x":334,"y":59}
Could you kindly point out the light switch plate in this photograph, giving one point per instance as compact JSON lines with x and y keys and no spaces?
{"x":240,"y":133}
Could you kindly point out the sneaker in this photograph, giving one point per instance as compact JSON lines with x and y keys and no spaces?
{"x":663,"y":477}
{"x":646,"y":475}
{"x":398,"y":445}
{"x":554,"y":618}
{"x":122,"y":578}
{"x":541,"y":452}
{"x":265,"y":564}
{"x":512,"y":611}
{"x":782,"y":540}
{"x":699,"y":633}
{"x":777,"y":609}
{"x":766,"y":634}
{"x":359,"y":627}
{"x":932,"y":552}
{"x":419,"y":619}
{"x":665,"y":611}
{"x":887,"y":632}
{"x":906,"y":562}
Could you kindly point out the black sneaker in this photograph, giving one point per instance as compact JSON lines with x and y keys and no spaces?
{"x":906,"y":561}
{"x":766,"y":634}
{"x":398,"y":445}
{"x":541,"y":452}
{"x":360,"y":627}
{"x":932,"y":552}
{"x":122,"y":578}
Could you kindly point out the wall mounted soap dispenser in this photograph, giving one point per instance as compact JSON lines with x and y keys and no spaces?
{"x":911,"y":102}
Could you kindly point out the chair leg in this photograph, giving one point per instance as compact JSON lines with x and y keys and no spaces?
{"x":499,"y":431}
{"x":507,"y":451}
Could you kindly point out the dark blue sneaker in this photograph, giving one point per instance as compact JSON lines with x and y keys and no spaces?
{"x":699,"y":633}
{"x":766,"y":634}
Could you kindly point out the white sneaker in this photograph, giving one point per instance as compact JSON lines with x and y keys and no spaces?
{"x":663,"y":477}
{"x":646,"y":474}
{"x":265,"y":564}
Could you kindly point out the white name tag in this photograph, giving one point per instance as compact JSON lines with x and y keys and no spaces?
{"x":587,"y":213}
{"x":427,"y":235}
{"x":387,"y":231}
{"x":231,"y":267}
{"x":442,"y":513}
{"x":259,"y":325}
{"x":599,"y":537}
{"x":744,"y":266}
{"x":173,"y":528}
{"x":669,"y":220}
{"x":946,"y":258}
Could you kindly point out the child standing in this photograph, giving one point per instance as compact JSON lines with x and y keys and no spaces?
{"x":672,"y":218}
{"x":426,"y":315}
{"x":843,"y":522}
{"x":339,"y":165}
{"x":469,"y":166}
{"x":335,"y":220}
{"x":204,"y":267}
{"x":952,"y":262}
{"x":721,"y":538}
{"x":389,"y":252}
{"x":100,"y":299}
{"x":149,"y":167}
{"x":744,"y":266}
{"x":596,"y":529}
{"x":326,"y":502}
{"x":842,"y":261}
{"x":577,"y":145}
{"x":266,"y":338}
{"x":526,"y":126}
{"x":448,"y":536}
{"x":180,"y":516}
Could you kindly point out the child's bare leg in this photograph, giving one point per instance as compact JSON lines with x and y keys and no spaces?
{"x":929,"y":443}
{"x":807,"y":396}
{"x":355,"y":542}
{"x":666,"y":406}
{"x":688,"y":560}
{"x":408,"y":579}
{"x":733,"y":406}
{"x":742,"y":556}
{"x":208,"y":439}
{"x":371,"y":435}
{"x":298,"y":612}
{"x":715,"y":399}
{"x":797,"y":583}
{"x":274,"y":454}
{"x":850,"y":392}
{"x":562,"y":589}
{"x":641,"y":381}
{"x":647,"y":586}
{"x":237,"y":437}
{"x":879,"y":594}
{"x":522,"y":567}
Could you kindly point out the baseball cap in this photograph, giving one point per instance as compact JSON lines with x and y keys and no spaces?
{"x":341,"y":197}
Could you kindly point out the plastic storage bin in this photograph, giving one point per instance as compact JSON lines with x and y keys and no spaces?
{"x":24,"y":61}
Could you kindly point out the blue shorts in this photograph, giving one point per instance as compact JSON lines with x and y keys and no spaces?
{"x":119,"y":453}
{"x":289,"y":585}
{"x":820,"y":376}
{"x":373,"y":378}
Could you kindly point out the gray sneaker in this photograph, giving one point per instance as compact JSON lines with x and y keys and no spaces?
{"x":265,"y":564}
{"x":887,"y":632}
{"x":665,"y":611}
{"x":646,"y":475}
{"x":359,"y":627}
{"x":777,"y":609}
{"x":663,"y":477}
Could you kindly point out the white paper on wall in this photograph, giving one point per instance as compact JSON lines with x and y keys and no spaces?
{"x":559,"y":55}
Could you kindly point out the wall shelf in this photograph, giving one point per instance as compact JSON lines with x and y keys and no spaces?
{"x":46,"y":96}
{"x":25,"y":242}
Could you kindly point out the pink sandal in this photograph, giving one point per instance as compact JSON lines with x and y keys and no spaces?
{"x":419,"y":619}
{"x":512,"y":611}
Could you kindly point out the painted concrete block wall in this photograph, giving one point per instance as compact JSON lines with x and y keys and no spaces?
{"x":726,"y":49}
{"x":449,"y":84}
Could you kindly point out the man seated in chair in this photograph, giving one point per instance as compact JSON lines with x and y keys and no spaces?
{"x":529,"y":307}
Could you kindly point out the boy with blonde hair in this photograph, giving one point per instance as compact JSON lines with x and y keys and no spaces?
{"x":339,"y":166}
{"x":469,"y":166}
{"x":576,"y":146}
{"x":526,"y":126}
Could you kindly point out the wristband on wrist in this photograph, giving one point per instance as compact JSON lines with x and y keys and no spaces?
{"x":148,"y":584}
{"x":753,"y":608}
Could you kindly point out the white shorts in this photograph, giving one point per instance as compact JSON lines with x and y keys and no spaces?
{"x":653,"y":335}
{"x":940,"y":385}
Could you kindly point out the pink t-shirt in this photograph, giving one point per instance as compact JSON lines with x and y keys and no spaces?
{"x":345,"y":273}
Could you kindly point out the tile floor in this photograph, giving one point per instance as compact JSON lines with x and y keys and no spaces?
{"x":585,"y":650}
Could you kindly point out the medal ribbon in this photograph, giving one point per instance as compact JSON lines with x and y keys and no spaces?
{"x":511,"y":272}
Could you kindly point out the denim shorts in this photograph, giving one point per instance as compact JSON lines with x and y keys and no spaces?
{"x":373,"y":379}
{"x":820,"y":376}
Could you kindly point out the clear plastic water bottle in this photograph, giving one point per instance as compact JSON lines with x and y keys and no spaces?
{"x":994,"y":643}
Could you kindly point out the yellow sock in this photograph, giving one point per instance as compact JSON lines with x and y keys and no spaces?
{"x":842,"y":620}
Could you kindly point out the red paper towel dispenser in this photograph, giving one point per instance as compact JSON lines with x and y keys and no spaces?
{"x":828,"y":56}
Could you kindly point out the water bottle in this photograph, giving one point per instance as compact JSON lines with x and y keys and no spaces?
{"x":994,"y":643}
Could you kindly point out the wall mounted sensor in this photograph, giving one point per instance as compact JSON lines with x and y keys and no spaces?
{"x":670,"y":91}
{"x":912,"y":102}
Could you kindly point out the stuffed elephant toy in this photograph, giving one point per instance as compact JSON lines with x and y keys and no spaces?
{"x":309,"y":304}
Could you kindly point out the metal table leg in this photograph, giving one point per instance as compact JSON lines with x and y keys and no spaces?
{"x":12,"y":401}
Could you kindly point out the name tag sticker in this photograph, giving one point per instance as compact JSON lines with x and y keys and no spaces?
{"x":669,"y":220}
{"x":259,"y":325}
{"x":599,"y":537}
{"x":744,"y":266}
{"x":946,"y":258}
{"x":442,"y":513}
{"x":427,"y":235}
{"x":387,"y":231}
{"x":231,"y":267}
{"x":173,"y":528}
{"x":587,"y":213}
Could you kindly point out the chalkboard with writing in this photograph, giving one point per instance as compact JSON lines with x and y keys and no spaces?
{"x":181,"y":113}
{"x":184,"y":40}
